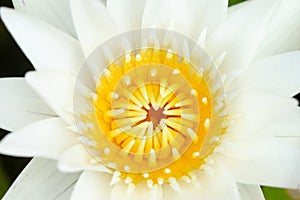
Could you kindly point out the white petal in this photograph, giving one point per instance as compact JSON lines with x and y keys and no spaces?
{"x":14,"y":113}
{"x":287,"y":129}
{"x":187,"y":17}
{"x":56,"y":89}
{"x":282,"y":33}
{"x":92,"y":186}
{"x":264,"y":161}
{"x":82,"y":161}
{"x":259,"y":113}
{"x":41,"y":180}
{"x":250,"y":192}
{"x":141,"y":191}
{"x":54,"y":12}
{"x":289,"y":126}
{"x":279,"y":74}
{"x":252,"y":111}
{"x":46,"y":47}
{"x":240,"y":35}
{"x":212,"y":15}
{"x":220,"y":185}
{"x":127,"y":13}
{"x":93,"y":23}
{"x":291,"y":140}
{"x":66,"y":194}
{"x":45,"y":138}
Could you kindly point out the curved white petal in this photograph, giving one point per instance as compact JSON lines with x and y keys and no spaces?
{"x":254,"y":110}
{"x":14,"y":113}
{"x":279,"y":74}
{"x":45,"y":138}
{"x":187,"y":17}
{"x":282,"y":33}
{"x":56,"y":88}
{"x":54,"y":12}
{"x":164,"y":16}
{"x":220,"y":185}
{"x":259,"y":113}
{"x":250,"y":192}
{"x":287,"y":129}
{"x":82,"y":161}
{"x":93,"y":23}
{"x":41,"y":180}
{"x":264,"y":161}
{"x":141,"y":191}
{"x":46,"y":47}
{"x":66,"y":194}
{"x":92,"y":186}
{"x":240,"y":34}
{"x":286,"y":133}
{"x":127,"y":13}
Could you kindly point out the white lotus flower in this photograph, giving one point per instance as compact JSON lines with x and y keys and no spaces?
{"x":156,"y":120}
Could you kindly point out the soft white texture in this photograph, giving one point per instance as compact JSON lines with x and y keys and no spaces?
{"x":45,"y":138}
{"x":246,"y":111}
{"x":92,"y":186}
{"x":220,"y":185}
{"x":82,"y":161}
{"x":42,"y":180}
{"x":250,"y":192}
{"x":127,"y":14}
{"x":45,"y":46}
{"x":282,"y":33}
{"x":93,"y":23}
{"x":265,"y":161}
{"x":278,"y":74}
{"x":186,"y":17}
{"x":240,"y":35}
{"x":14,"y":113}
{"x":56,"y":88}
{"x":54,"y":12}
{"x":141,"y":191}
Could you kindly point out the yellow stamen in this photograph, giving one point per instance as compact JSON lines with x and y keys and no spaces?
{"x":153,"y":114}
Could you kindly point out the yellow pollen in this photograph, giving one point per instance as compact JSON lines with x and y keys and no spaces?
{"x":152,"y":114}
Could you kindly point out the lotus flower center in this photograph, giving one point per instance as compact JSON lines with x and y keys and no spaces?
{"x":152,"y":111}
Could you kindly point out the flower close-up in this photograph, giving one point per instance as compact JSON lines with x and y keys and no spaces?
{"x":153,"y":99}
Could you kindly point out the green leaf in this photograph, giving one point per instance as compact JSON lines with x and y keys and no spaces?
{"x":232,"y":2}
{"x":276,"y":194}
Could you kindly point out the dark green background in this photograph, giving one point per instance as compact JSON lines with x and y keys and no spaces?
{"x":13,"y":63}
